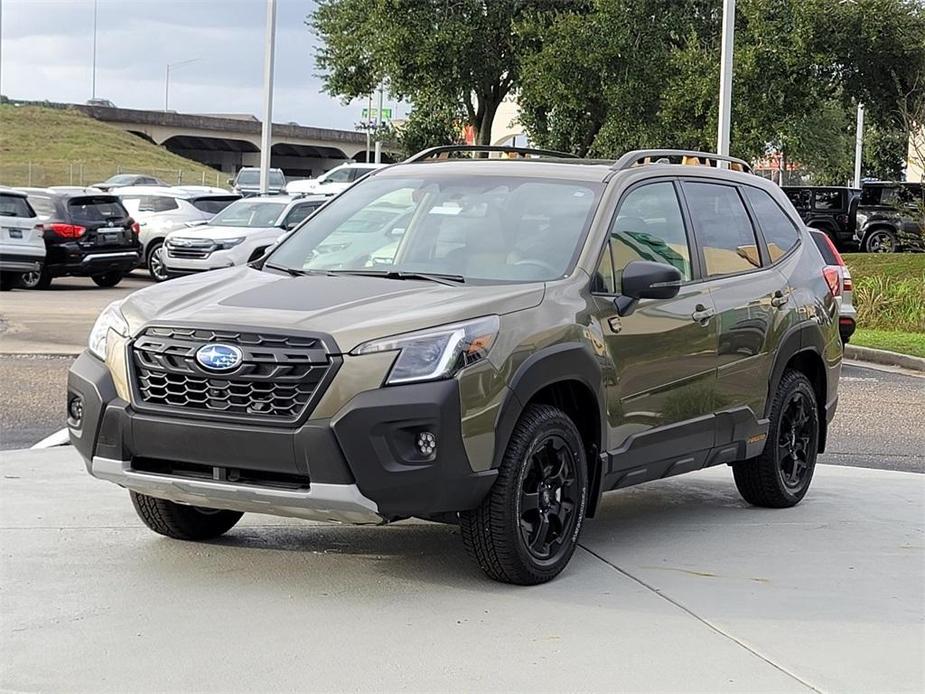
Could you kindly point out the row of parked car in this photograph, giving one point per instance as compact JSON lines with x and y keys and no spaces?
{"x":130,"y":220}
{"x":881,"y":217}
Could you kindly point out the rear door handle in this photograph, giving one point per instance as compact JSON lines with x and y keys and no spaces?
{"x":702,"y":314}
{"x":780,"y":298}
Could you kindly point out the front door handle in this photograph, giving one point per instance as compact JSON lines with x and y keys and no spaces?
{"x":780,"y":298}
{"x":702,"y":314}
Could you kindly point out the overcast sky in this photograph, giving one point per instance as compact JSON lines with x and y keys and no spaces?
{"x":46,"y":54}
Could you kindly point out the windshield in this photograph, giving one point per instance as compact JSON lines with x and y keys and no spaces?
{"x":251,"y":177}
{"x":249,"y":213}
{"x":491,"y":228}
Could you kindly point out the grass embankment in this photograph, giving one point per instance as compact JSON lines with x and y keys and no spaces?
{"x":43,"y":146}
{"x":889,"y":295}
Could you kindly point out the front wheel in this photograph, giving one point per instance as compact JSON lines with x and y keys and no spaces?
{"x":157,"y":268}
{"x":780,"y":476}
{"x":183,"y":522}
{"x":881,"y":241}
{"x":526,"y":529}
{"x":107,"y":279}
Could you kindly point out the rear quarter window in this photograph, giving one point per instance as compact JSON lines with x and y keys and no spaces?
{"x":96,"y":209}
{"x":780,"y":233}
{"x":800,"y":198}
{"x":828,"y":200}
{"x":42,"y":205}
{"x":15,"y":206}
{"x":825,"y":249}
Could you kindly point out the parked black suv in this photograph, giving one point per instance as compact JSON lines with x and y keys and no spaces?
{"x":87,"y":233}
{"x":830,"y":209}
{"x":524,"y":337}
{"x":891,"y":218}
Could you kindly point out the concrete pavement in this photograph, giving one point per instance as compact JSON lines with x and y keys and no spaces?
{"x":679,"y":586}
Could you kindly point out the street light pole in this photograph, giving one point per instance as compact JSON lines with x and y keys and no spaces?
{"x":170,"y":66}
{"x":859,"y":146}
{"x":266,"y":132}
{"x":725,"y":81}
{"x":93,"y":60}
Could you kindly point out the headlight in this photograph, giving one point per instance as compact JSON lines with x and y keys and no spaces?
{"x":225,"y":244}
{"x":436,"y":353}
{"x":110,"y":319}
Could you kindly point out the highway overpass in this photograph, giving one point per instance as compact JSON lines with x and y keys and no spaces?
{"x":228,"y":142}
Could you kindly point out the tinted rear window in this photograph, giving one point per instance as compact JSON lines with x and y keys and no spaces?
{"x":824,"y":248}
{"x":828,"y":200}
{"x":98,"y":208}
{"x":14,"y":206}
{"x":213,"y":205}
{"x":800,"y":197}
{"x":251,"y":177}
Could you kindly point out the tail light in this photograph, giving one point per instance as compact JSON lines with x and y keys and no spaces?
{"x":832,"y":275}
{"x":136,"y":228}
{"x":39,"y":230}
{"x":67,"y":231}
{"x":846,"y":283}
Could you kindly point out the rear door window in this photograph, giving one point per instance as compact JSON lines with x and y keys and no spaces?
{"x":96,"y":209}
{"x":723,"y":228}
{"x":828,"y":200}
{"x":15,"y":206}
{"x":779,"y":232}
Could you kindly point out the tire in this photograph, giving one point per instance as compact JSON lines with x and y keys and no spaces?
{"x":881,"y":241}
{"x":781,"y":475}
{"x":107,"y":279}
{"x":30,"y":280}
{"x":183,"y":522}
{"x":545,"y":454}
{"x":155,"y":262}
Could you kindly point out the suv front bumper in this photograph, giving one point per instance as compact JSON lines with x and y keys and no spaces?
{"x":359,"y":466}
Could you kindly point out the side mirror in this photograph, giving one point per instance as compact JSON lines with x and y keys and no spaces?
{"x":643,"y":279}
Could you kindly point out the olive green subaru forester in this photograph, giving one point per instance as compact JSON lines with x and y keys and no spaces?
{"x":485,"y":336}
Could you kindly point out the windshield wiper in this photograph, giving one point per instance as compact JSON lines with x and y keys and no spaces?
{"x":439,"y":277}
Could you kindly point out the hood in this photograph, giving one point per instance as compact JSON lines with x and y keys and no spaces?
{"x":351,"y":309}
{"x":206,"y":231}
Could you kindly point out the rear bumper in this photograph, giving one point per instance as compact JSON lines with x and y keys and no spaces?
{"x":361,"y":465}
{"x":94,"y":262}
{"x":14,"y":262}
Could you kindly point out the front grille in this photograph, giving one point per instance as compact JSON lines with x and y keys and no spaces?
{"x":279,"y":379}
{"x":190,"y":248}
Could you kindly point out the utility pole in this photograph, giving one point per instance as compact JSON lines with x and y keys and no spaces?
{"x":266,"y":132}
{"x":93,"y":60}
{"x":859,"y":146}
{"x":725,"y":80}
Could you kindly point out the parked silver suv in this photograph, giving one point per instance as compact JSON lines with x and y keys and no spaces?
{"x":160,"y":210}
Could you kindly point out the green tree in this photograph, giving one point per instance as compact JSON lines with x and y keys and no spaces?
{"x":463,"y":54}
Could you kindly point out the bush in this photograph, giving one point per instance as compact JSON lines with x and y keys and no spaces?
{"x":889,"y":291}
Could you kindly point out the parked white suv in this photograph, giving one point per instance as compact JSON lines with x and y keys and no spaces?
{"x":237,"y":235}
{"x":332,"y":182}
{"x":22,"y":245}
{"x":160,"y":210}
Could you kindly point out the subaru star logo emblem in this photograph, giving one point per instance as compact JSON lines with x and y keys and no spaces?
{"x":219,"y":357}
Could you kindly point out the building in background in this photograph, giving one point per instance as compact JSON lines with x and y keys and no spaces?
{"x":915,"y":161}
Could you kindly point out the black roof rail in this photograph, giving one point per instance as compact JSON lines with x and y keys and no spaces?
{"x":634,"y":158}
{"x":435,"y":152}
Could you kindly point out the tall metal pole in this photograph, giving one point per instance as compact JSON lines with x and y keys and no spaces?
{"x":369,"y":120}
{"x":859,"y":147}
{"x":266,"y":133}
{"x":725,"y":80}
{"x":378,"y":128}
{"x":167,"y":89}
{"x":93,"y":67}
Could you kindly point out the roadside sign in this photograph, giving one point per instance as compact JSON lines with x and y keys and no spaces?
{"x":372,"y":114}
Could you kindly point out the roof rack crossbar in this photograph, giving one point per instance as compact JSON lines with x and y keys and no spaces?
{"x":631,"y":159}
{"x":434,"y":152}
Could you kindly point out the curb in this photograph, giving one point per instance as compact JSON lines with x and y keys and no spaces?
{"x":884,"y":357}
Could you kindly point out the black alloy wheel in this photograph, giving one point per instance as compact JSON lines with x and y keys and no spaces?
{"x":549,"y":497}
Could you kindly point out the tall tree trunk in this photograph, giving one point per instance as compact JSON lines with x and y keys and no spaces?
{"x":485,"y":118}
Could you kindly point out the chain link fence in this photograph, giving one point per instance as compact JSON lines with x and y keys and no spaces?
{"x":79,"y":173}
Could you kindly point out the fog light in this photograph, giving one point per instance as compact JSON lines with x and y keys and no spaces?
{"x":426,"y":443}
{"x":75,"y":409}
